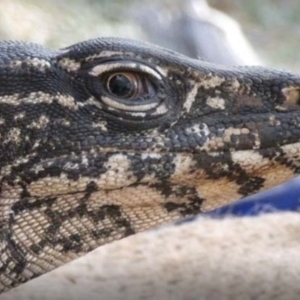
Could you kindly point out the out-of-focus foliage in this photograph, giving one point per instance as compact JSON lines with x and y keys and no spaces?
{"x":273,"y":26}
{"x":59,"y":23}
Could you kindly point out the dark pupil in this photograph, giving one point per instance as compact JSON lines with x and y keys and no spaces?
{"x":120,"y":85}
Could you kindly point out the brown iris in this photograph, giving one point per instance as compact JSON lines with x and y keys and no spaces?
{"x":128,"y":85}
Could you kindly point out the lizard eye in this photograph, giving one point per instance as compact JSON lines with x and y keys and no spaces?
{"x":129,"y":88}
{"x":128,"y":85}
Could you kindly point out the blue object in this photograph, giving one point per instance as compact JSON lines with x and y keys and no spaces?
{"x":285,"y":197}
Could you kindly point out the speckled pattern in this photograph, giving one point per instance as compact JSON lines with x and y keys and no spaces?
{"x":81,"y":167}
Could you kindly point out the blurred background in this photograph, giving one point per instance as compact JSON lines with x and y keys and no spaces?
{"x":271,"y":26}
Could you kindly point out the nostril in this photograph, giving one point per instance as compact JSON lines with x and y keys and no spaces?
{"x":292,"y":95}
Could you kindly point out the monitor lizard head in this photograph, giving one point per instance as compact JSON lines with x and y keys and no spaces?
{"x":111,"y":136}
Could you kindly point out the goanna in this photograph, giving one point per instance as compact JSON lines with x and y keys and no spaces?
{"x":110,"y":137}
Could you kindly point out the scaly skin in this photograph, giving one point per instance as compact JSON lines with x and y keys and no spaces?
{"x":81,"y":167}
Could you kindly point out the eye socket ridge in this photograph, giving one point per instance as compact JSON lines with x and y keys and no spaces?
{"x":113,"y":66}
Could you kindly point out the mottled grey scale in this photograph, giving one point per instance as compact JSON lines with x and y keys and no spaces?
{"x":161,"y":167}
{"x":191,"y":205}
{"x":81,"y":166}
{"x":222,"y":165}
